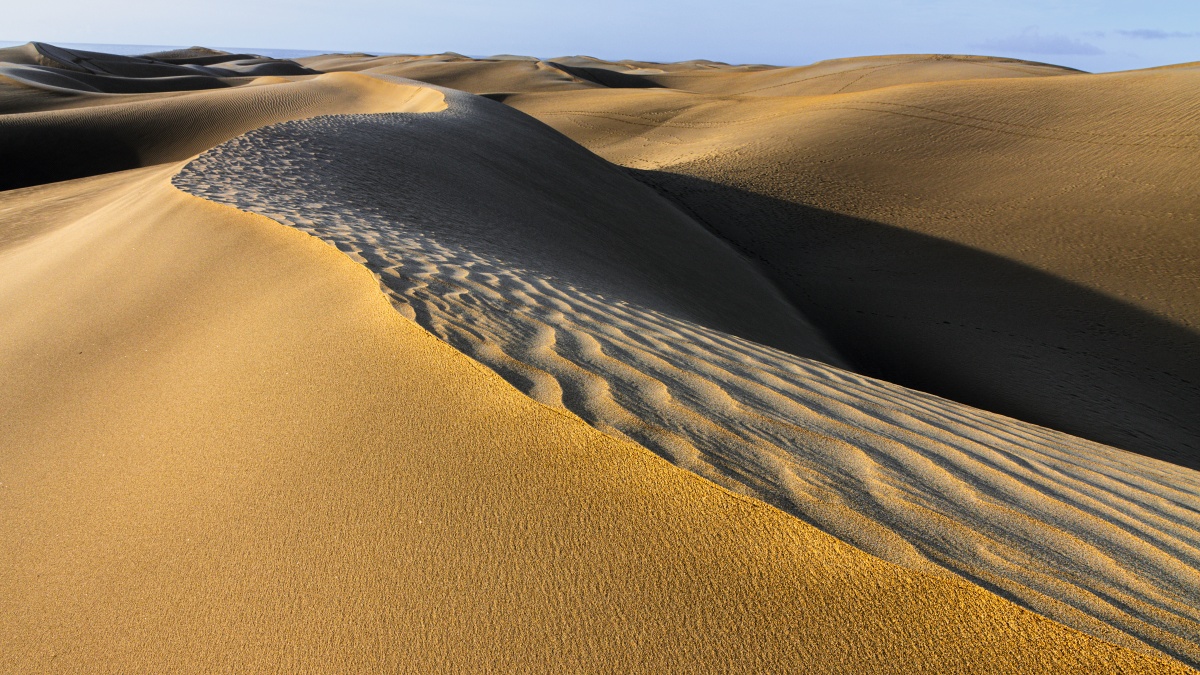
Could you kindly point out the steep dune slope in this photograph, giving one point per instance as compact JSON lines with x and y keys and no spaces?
{"x":371,"y":499}
{"x":515,"y":253}
{"x":1027,"y":246}
{"x":485,"y":178}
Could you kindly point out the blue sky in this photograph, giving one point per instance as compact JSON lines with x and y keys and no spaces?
{"x":1094,"y":35}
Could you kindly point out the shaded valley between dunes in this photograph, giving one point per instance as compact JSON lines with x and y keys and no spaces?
{"x":756,"y":273}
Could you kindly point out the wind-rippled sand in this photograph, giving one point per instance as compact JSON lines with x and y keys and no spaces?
{"x":1101,"y":539}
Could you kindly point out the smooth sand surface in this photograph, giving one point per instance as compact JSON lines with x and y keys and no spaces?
{"x":225,"y":448}
{"x":840,"y":76}
{"x":249,"y":460}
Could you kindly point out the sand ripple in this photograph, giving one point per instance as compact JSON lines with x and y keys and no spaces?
{"x":1097,"y":538}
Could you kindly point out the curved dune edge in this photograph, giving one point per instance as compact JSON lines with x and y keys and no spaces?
{"x":1023,"y":245}
{"x":1088,"y":535}
{"x":371,"y":498}
{"x":84,"y":134}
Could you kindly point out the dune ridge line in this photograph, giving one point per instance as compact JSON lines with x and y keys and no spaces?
{"x":373,"y":499}
{"x":912,"y":478}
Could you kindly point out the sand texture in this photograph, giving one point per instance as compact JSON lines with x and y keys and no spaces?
{"x":254,"y":462}
{"x":1028,"y":246}
{"x":600,"y":418}
{"x":1092,"y":536}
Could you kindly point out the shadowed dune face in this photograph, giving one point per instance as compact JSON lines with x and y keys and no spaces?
{"x":1089,"y":179}
{"x":150,"y":68}
{"x":931,"y":305}
{"x":485,"y":177}
{"x":53,"y":79}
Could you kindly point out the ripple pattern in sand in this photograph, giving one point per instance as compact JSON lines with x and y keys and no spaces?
{"x":1103,"y":540}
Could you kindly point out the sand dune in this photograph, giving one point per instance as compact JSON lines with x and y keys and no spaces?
{"x":525,"y":75}
{"x":150,"y":67}
{"x":101,"y":132}
{"x":917,"y":480}
{"x":1023,"y":245}
{"x":458,"y":72}
{"x":839,"y":76}
{"x":499,"y":183}
{"x":371,"y":499}
{"x":228,"y":450}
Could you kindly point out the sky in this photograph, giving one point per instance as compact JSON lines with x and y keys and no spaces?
{"x":1092,"y":35}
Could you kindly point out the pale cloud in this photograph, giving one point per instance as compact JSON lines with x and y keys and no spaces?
{"x":1154,"y":34}
{"x":1030,"y":41}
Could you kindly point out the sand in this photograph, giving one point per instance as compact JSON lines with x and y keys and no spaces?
{"x":61,"y":128}
{"x":917,"y":480}
{"x":252,"y":461}
{"x":225,"y":448}
{"x":1022,"y":245}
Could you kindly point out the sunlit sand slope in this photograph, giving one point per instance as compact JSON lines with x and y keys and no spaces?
{"x":227,"y":450}
{"x":475,"y":220}
{"x":839,"y":76}
{"x":1028,"y":246}
{"x":224,"y":450}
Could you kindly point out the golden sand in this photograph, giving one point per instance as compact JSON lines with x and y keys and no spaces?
{"x":223,"y":448}
{"x":227,"y":450}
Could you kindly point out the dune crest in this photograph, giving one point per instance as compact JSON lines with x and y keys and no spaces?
{"x":1024,"y":245}
{"x":1094,"y":537}
{"x":371,"y":499}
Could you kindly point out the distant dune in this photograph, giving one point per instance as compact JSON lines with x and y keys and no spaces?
{"x":68,"y":128}
{"x":228,"y":450}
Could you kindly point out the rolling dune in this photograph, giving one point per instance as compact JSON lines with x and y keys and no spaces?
{"x":912,"y":478}
{"x":1027,"y":246}
{"x":839,"y":76}
{"x":458,"y":72}
{"x":224,"y":448}
{"x":88,"y":132}
{"x":508,"y":75}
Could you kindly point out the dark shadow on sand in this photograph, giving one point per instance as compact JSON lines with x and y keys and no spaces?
{"x":38,"y":153}
{"x":968,"y":325}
